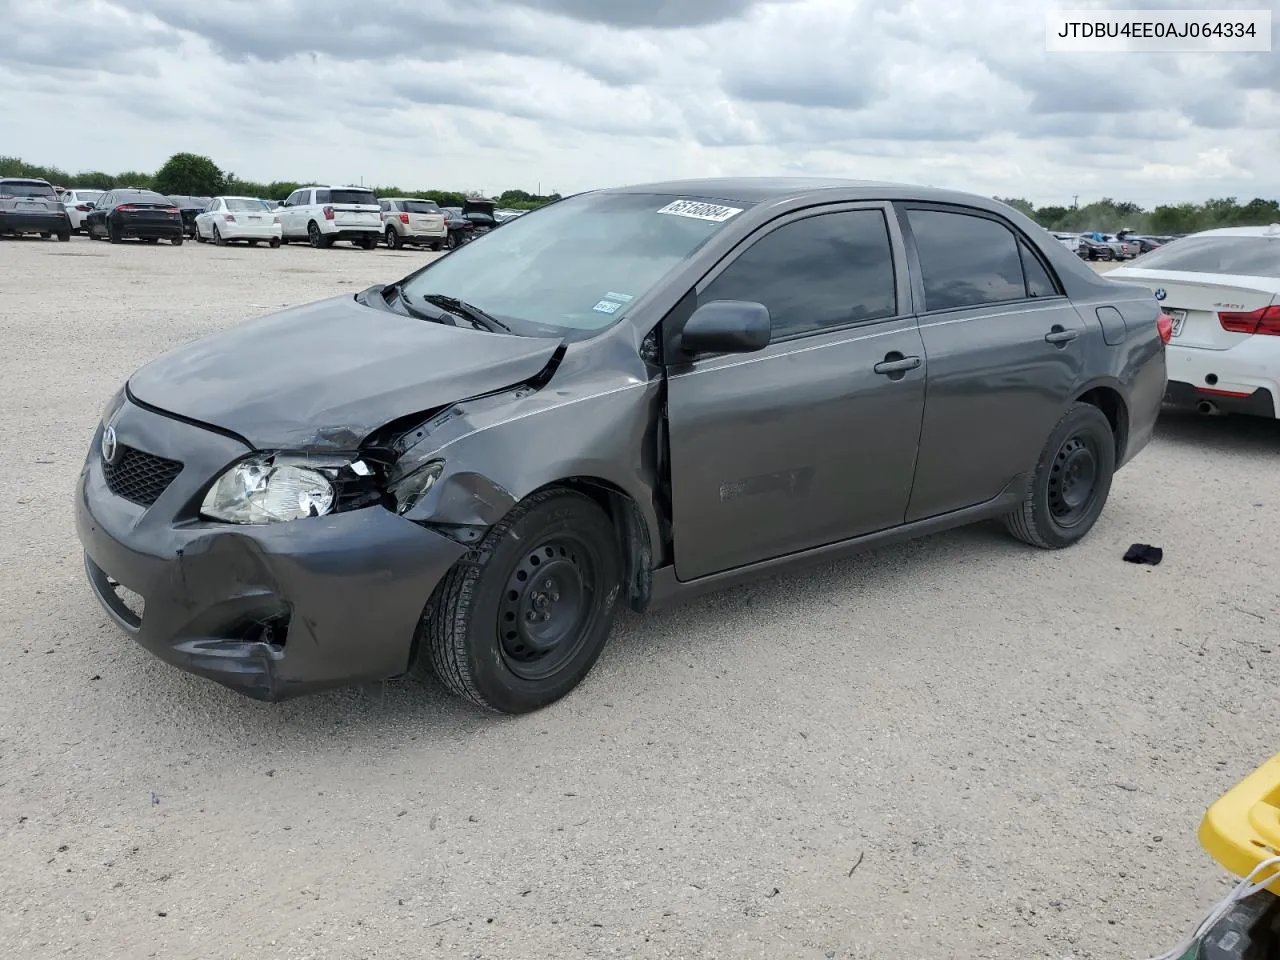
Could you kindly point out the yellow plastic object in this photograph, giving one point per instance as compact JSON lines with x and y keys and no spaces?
{"x":1242,"y":828}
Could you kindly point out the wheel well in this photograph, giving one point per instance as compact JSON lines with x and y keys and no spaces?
{"x":633,"y":534}
{"x":1112,"y":406}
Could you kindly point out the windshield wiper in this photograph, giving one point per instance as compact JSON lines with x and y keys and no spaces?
{"x":468,"y":311}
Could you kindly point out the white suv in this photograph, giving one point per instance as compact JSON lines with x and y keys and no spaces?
{"x":321,"y":215}
{"x":77,"y":203}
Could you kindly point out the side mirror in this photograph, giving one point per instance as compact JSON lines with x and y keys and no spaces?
{"x":727,"y":326}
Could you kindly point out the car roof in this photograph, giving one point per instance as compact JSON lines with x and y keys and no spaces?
{"x":1270,"y":231}
{"x":762,"y":189}
{"x":398,"y":199}
{"x":233,"y":196}
{"x":335,"y":186}
{"x":24,"y":180}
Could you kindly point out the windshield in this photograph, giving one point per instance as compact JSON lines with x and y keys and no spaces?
{"x":238,"y":205}
{"x":1235,"y":256}
{"x":15,"y":188}
{"x":574,"y":266}
{"x":420,"y":206}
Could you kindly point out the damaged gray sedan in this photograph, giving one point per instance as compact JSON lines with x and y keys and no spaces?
{"x":626,"y":397}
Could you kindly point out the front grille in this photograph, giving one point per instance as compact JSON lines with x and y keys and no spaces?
{"x":138,"y":476}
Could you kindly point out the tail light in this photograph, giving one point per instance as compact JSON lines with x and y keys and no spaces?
{"x":229,"y":217}
{"x":127,"y":206}
{"x":328,"y":213}
{"x":404,"y":218}
{"x":172,"y":210}
{"x":84,"y":207}
{"x":1164,"y":323}
{"x":1264,"y":321}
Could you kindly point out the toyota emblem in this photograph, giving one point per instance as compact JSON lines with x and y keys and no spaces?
{"x":1160,"y":294}
{"x":109,"y":448}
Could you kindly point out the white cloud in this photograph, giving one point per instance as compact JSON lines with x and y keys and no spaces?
{"x":574,"y":94}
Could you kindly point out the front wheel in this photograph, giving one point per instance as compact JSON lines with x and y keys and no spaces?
{"x":1071,"y":481}
{"x":218,"y":241}
{"x":64,"y":236}
{"x":520,"y":622}
{"x":273,"y":243}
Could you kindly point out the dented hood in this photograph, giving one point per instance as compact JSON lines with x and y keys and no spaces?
{"x":325,"y":375}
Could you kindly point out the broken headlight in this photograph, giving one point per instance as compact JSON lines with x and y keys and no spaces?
{"x":412,"y":487}
{"x":271,"y":488}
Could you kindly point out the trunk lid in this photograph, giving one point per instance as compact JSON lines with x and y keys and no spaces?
{"x":325,"y":375}
{"x":1194,"y":301}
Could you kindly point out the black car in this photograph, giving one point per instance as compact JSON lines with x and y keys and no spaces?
{"x":481,"y":214}
{"x":190,"y":208}
{"x":123,"y":214}
{"x":460,"y":228}
{"x":32,"y":206}
{"x":629,"y":396}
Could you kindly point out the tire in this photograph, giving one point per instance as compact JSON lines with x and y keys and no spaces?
{"x":64,"y":236}
{"x":316,"y":238}
{"x":366,"y":243}
{"x":273,"y":243}
{"x":436,"y":245}
{"x":476,"y":639}
{"x":177,"y":241}
{"x":113,"y":234}
{"x":1071,"y":482}
{"x":218,"y":240}
{"x":451,"y":241}
{"x":45,"y":236}
{"x":393,"y":239}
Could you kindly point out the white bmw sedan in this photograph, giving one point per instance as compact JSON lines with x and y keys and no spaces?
{"x":1221,"y":289}
{"x":238,"y":218}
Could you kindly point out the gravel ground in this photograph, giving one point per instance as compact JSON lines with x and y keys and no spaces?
{"x":955,"y":748}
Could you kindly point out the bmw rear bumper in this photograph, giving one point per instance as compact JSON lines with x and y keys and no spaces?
{"x":272,"y":611}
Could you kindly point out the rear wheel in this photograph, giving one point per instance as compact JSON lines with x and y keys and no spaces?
{"x":64,"y":236}
{"x":273,"y":243}
{"x":316,"y":238}
{"x":521,"y":621}
{"x":435,"y":245}
{"x":393,"y":239}
{"x":1071,"y":481}
{"x":45,"y":236}
{"x":177,"y":241}
{"x":113,"y":232}
{"x":218,"y":241}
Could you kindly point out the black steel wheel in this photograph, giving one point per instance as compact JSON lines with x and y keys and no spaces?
{"x":521,"y":620}
{"x":1071,"y":481}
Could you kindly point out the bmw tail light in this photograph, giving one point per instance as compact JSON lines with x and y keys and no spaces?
{"x":1264,"y":321}
{"x":1164,"y":323}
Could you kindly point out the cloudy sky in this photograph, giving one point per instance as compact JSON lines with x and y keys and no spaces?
{"x":575,"y":94}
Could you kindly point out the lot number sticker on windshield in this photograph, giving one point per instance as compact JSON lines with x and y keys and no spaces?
{"x":607,"y":306}
{"x":714,"y":212}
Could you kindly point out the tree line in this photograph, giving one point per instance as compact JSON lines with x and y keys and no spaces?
{"x":193,"y":175}
{"x":190,"y":174}
{"x":1110,"y":215}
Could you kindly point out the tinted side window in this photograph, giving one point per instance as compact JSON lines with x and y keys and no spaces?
{"x":1039,"y":283}
{"x":966,"y":261}
{"x":322,"y":196}
{"x":821,"y":272}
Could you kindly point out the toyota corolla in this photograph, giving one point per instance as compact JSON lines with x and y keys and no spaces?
{"x":627,"y":397}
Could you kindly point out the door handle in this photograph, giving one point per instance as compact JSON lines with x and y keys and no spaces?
{"x":1060,"y":336}
{"x":896,"y":363}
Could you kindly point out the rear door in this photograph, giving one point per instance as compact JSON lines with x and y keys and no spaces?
{"x":354,"y":209}
{"x":813,"y":439}
{"x":1005,"y":349}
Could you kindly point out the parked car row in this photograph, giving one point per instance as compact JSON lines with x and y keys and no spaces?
{"x":1122,"y":245}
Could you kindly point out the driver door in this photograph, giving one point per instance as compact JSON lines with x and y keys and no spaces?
{"x":813,"y":439}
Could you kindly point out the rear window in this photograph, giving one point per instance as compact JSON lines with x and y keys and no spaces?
{"x":346,"y":196}
{"x":1234,"y":256}
{"x":420,"y":206}
{"x":237,"y":205}
{"x":21,"y":188}
{"x":141,"y":196}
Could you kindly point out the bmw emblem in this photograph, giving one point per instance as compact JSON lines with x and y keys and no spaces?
{"x":109,"y":448}
{"x":1160,"y":294}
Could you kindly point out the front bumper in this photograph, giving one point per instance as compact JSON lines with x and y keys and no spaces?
{"x":34,"y":223}
{"x":272,"y":611}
